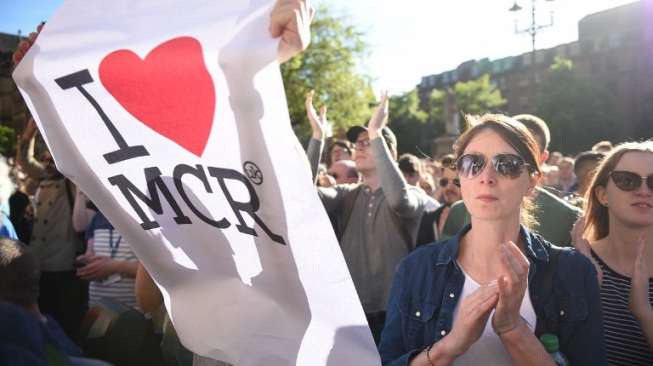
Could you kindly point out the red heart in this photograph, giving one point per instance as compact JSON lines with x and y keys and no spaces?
{"x":170,"y":91}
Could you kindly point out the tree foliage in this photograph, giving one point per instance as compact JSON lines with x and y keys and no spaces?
{"x":7,"y":141}
{"x":330,"y":66}
{"x":579,"y":110}
{"x":478,"y":96}
{"x":416,"y":128}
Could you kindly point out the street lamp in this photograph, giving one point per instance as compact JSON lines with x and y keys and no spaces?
{"x":515,"y":7}
{"x":534,"y":27}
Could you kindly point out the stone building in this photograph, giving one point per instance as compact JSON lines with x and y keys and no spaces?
{"x":614,"y":46}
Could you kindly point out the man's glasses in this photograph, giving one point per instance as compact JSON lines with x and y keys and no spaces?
{"x":445,"y":182}
{"x":629,"y":181}
{"x":362,"y":144}
{"x":507,"y":165}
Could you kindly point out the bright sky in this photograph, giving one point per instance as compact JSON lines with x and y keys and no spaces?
{"x":411,"y":38}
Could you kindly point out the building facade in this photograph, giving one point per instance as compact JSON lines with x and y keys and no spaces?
{"x":615,"y":47}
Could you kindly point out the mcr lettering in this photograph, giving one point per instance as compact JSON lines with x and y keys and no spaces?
{"x":157,"y":188}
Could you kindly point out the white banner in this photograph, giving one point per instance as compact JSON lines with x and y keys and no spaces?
{"x":171,"y":116}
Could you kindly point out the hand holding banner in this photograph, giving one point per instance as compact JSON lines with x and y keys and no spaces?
{"x":175,"y":125}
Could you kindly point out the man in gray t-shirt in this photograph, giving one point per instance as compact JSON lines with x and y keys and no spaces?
{"x":377,"y":219}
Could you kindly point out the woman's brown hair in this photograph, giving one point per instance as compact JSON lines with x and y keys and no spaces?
{"x":517,"y":136}
{"x":597,"y":220}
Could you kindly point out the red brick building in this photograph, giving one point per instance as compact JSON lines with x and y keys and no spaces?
{"x":615,"y":46}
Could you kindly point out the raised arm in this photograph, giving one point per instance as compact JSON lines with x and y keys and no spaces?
{"x":25,"y":152}
{"x":405,"y":200}
{"x":318,"y":125}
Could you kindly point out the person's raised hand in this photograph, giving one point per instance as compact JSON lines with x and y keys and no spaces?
{"x":291,"y":20}
{"x":639,"y":286}
{"x":583,"y":246}
{"x":26,"y":44}
{"x":379,"y":118}
{"x":318,"y":121}
{"x":512,"y":287}
{"x":29,"y":131}
{"x":471,"y":319}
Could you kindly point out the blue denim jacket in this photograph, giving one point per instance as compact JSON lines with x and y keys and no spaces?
{"x":428,"y":283}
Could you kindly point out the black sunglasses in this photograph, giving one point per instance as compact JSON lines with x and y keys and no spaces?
{"x":629,"y":181}
{"x":506,"y":165}
{"x":445,"y":182}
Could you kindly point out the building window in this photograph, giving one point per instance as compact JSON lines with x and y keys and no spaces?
{"x":615,"y":40}
{"x":597,"y":45}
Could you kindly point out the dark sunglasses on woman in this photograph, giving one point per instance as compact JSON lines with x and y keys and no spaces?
{"x":445,"y":182}
{"x":507,"y":165}
{"x":629,"y":181}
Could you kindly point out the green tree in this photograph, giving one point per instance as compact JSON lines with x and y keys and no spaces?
{"x":579,"y":110}
{"x":478,"y":96}
{"x":7,"y":141}
{"x":416,"y":128}
{"x":330,"y":66}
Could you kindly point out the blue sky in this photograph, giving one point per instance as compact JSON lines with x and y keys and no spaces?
{"x":410,"y":38}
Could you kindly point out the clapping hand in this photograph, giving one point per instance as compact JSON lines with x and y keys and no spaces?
{"x":379,"y":118}
{"x":318,"y":122}
{"x":472,"y":317}
{"x":639,"y":302}
{"x":512,"y":287}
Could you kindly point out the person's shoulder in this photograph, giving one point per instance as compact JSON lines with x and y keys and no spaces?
{"x":458,"y":205}
{"x":99,"y":221}
{"x":428,"y":253}
{"x":549,"y":201}
{"x":569,"y":259}
{"x":347,"y":187}
{"x":574,"y":259}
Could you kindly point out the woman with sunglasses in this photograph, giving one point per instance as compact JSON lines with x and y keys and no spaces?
{"x":619,"y":227}
{"x":484,"y":296}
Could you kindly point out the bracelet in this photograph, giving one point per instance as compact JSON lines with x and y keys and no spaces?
{"x":508,"y":330}
{"x":428,"y":355}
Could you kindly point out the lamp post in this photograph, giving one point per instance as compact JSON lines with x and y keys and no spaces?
{"x":532,"y":30}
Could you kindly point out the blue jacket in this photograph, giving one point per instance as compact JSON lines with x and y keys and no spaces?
{"x":26,"y":340}
{"x":428,"y":283}
{"x":7,"y":228}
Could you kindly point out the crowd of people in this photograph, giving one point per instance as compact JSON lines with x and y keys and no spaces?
{"x":470,"y":258}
